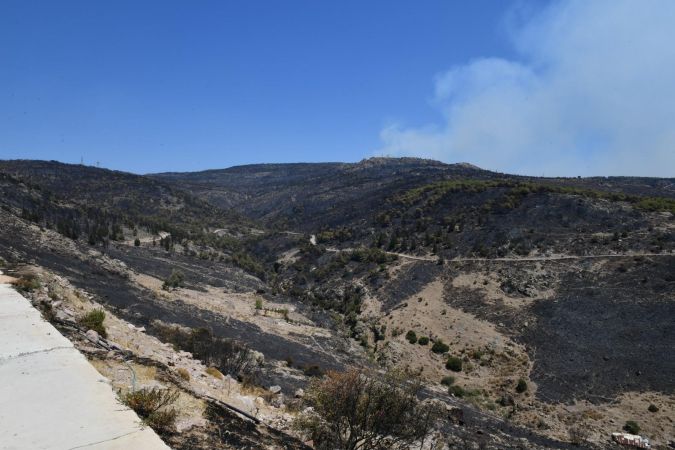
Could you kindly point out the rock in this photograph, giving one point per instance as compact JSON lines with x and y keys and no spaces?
{"x":278,"y":401}
{"x":275,"y":389}
{"x":93,"y":336}
{"x":299,"y":393}
{"x":116,"y":346}
{"x":246,"y":403}
{"x":186,"y":424}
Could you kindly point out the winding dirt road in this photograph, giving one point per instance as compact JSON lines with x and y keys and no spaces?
{"x":516,"y":259}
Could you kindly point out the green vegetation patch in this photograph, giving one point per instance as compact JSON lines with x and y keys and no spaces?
{"x":152,"y":405}
{"x":433,"y":192}
{"x":632,"y":427}
{"x":453,"y":363}
{"x":411,"y":337}
{"x":521,"y":386}
{"x":440,"y":347}
{"x":93,"y":320}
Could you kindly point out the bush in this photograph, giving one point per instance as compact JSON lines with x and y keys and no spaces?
{"x":440,"y":347}
{"x":521,"y":386}
{"x":137,"y":242}
{"x":632,"y":427}
{"x":27,"y":284}
{"x":453,"y":363}
{"x":258,"y":303}
{"x":456,"y":391}
{"x":152,"y":405}
{"x":175,"y":280}
{"x":386,"y":409}
{"x":93,"y":320}
{"x":653,"y":408}
{"x":578,"y":434}
{"x":411,"y":336}
{"x":183,"y":373}
{"x":448,"y":380}
{"x":162,"y":422}
{"x":423,"y":340}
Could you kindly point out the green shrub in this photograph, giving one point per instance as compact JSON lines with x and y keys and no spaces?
{"x":249,"y":264}
{"x":453,"y":363}
{"x":521,"y":386}
{"x":258,"y":303}
{"x":476,"y":354}
{"x":653,"y":408}
{"x":93,"y":320}
{"x":457,"y":391}
{"x":152,"y":405}
{"x":137,"y":242}
{"x":175,"y":280}
{"x":411,"y":336}
{"x":423,"y":340}
{"x":440,"y":347}
{"x":632,"y":427}
{"x":448,"y":380}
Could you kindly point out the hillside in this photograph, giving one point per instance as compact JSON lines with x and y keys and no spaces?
{"x":309,"y":196}
{"x":549,"y":301}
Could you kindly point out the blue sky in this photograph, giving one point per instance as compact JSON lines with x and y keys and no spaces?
{"x":151,"y":86}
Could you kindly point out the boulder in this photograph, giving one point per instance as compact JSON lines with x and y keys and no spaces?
{"x":278,"y":401}
{"x":299,"y":393}
{"x":93,"y":336}
{"x":275,"y":389}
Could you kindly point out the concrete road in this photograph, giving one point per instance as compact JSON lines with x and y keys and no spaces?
{"x":50,"y":396}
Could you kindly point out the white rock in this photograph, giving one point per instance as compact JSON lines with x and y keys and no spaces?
{"x":93,"y":336}
{"x":299,"y":393}
{"x":275,"y":389}
{"x":186,"y":424}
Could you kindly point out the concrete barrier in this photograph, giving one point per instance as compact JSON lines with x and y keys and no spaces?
{"x":50,"y":396}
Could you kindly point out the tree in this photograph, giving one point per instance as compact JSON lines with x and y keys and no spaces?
{"x":411,"y":336}
{"x":453,"y":363}
{"x":632,"y":427}
{"x":175,"y":280}
{"x":137,"y":242}
{"x":440,"y":347}
{"x":354,"y":410}
{"x":521,"y":386}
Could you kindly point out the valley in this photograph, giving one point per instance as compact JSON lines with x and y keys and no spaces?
{"x":541,"y":307}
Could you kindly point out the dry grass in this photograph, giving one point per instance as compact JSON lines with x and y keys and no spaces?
{"x":183,"y":373}
{"x":214,"y":373}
